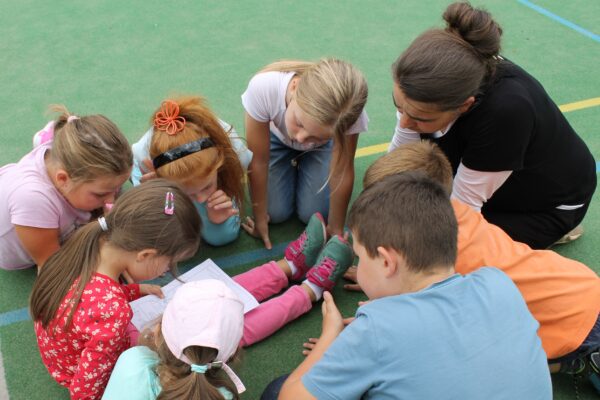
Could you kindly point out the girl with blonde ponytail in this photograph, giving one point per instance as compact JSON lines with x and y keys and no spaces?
{"x":302,"y":125}
{"x":77,"y":166}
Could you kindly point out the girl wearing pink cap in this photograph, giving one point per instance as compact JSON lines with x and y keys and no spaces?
{"x":185,"y":355}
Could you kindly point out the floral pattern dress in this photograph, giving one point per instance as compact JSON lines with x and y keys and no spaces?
{"x":82,"y":356}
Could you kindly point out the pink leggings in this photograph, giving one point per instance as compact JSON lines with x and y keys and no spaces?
{"x":263,"y":282}
{"x":268,"y":317}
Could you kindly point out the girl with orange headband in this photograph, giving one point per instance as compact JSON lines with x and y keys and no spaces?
{"x":188,"y":144}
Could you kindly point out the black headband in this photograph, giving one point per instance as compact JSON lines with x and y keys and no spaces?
{"x":181,"y":151}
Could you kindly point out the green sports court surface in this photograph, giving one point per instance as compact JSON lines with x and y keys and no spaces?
{"x":121,"y":58}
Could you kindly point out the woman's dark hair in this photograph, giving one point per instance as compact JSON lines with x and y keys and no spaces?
{"x":447,"y":66}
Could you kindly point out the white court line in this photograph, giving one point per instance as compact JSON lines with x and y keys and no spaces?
{"x":3,"y":388}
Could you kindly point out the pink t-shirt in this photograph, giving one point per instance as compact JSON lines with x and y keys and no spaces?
{"x":29,"y":198}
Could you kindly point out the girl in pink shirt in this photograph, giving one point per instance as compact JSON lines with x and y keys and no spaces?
{"x":52,"y":190}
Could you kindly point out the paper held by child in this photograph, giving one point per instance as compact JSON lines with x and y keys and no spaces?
{"x":148,"y":308}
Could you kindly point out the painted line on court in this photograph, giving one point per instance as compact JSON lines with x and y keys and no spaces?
{"x":580,"y":105}
{"x":560,"y":20}
{"x":22,"y":314}
{"x":11,"y":317}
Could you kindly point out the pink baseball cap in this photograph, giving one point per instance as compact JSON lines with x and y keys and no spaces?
{"x":205,"y":313}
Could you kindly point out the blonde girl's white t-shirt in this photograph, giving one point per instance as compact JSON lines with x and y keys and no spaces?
{"x":264,"y":100}
{"x":29,"y":198}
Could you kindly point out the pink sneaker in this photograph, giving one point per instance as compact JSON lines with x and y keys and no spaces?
{"x":334,"y":260}
{"x":303,"y":251}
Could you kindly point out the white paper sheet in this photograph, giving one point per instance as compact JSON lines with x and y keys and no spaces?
{"x":148,"y":308}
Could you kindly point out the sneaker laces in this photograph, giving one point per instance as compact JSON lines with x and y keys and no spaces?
{"x":297,"y":245}
{"x":326,"y":267}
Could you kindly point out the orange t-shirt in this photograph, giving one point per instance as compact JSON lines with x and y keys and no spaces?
{"x":562,"y":294}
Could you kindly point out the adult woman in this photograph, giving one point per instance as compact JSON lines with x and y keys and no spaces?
{"x":514,"y":155}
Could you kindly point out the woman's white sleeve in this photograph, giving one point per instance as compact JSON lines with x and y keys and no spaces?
{"x":476,"y":187}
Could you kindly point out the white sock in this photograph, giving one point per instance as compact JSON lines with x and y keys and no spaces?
{"x":292,"y":266}
{"x":317,"y":290}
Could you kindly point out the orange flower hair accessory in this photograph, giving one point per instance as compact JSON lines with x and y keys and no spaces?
{"x":168,"y":118}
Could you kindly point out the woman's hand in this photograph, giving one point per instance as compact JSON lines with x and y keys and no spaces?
{"x":146,"y":288}
{"x":259,"y":229}
{"x":219,"y":207}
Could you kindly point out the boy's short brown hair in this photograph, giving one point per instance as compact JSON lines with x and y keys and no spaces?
{"x":410,"y":213}
{"x":416,"y":156}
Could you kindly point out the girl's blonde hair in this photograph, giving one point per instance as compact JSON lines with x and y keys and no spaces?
{"x":137,"y":221}
{"x":332,"y":92}
{"x":200,"y":122}
{"x":176,"y":378}
{"x":89,"y":147}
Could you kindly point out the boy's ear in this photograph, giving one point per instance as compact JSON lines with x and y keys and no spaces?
{"x":143,"y":255}
{"x":391,"y":260}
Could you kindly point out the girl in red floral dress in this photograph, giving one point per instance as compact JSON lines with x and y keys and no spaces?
{"x":80,"y":309}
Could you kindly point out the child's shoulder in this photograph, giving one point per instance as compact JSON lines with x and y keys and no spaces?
{"x":270,"y":81}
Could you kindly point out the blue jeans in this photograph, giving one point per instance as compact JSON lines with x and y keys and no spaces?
{"x":272,"y":390}
{"x":296,"y":180}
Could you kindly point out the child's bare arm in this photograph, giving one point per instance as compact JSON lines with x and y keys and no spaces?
{"x":257,"y":135}
{"x":40,"y":243}
{"x":341,"y":184}
{"x":333,"y":324}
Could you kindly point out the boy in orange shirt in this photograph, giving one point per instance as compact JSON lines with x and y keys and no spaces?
{"x":562,"y":294}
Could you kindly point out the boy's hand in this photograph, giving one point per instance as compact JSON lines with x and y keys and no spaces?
{"x":308,"y":346}
{"x":259,"y":229}
{"x":219,"y":207}
{"x":333,"y":323}
{"x":146,"y":288}
{"x":148,"y":171}
{"x":351,"y":276}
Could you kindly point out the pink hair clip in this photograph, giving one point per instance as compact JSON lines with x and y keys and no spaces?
{"x":168,"y":118}
{"x":169,"y":203}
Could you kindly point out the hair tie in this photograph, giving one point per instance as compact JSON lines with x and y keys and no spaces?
{"x":168,"y":119}
{"x":103,"y":224}
{"x":181,"y":151}
{"x":199,"y":369}
{"x":72,"y":118}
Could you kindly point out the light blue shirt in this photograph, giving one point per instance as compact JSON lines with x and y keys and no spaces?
{"x":467,"y":337}
{"x":134,"y":377}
